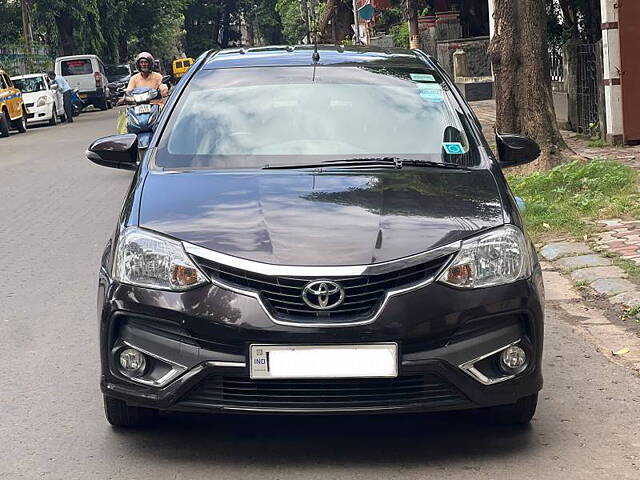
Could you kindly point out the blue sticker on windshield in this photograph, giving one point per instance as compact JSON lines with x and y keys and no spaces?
{"x":431,"y":96}
{"x":422,"y":77}
{"x":453,"y":148}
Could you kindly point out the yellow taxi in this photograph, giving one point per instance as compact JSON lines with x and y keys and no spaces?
{"x":181,"y":65}
{"x":13,"y":113}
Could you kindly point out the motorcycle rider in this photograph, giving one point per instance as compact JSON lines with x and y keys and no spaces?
{"x":147,"y":78}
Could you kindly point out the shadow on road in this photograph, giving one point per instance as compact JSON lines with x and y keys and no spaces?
{"x":336,"y":440}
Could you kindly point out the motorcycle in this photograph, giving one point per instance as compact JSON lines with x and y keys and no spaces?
{"x":77,"y":104}
{"x":142,"y":116}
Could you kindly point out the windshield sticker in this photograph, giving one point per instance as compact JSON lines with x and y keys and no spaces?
{"x":422,"y":77}
{"x":453,"y":148}
{"x":431,"y":96}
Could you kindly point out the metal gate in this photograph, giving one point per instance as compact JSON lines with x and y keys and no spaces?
{"x":629,"y":25}
{"x":589,"y":63}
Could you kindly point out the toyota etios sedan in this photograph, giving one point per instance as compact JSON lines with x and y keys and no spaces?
{"x":318,"y":233}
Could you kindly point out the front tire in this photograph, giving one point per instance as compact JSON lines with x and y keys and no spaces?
{"x":4,"y":124}
{"x":519,"y":413}
{"x":53,"y":121}
{"x":103,"y":105}
{"x":21,"y":123}
{"x":119,"y":414}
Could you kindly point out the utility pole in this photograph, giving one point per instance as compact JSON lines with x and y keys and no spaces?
{"x":356,"y":23}
{"x":27,"y":30}
{"x":306,"y":15}
{"x":414,"y":32}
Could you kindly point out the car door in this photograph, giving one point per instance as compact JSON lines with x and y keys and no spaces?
{"x":14,"y":104}
{"x":53,"y":92}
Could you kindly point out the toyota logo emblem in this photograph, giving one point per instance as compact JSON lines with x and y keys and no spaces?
{"x":323,"y":294}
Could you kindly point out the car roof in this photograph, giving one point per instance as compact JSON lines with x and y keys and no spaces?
{"x":29,"y":75}
{"x":77,"y":57}
{"x":302,"y":55}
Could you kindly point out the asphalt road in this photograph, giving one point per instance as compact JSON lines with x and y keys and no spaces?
{"x":56,"y":211}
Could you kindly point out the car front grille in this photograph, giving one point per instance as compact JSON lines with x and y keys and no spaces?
{"x":418,"y":391}
{"x":282,"y":295}
{"x":29,"y":105}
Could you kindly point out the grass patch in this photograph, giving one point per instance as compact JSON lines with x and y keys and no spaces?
{"x":566,"y":200}
{"x":597,"y":143}
{"x":631,"y":268}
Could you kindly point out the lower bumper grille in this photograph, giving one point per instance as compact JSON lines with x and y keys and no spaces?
{"x":419,"y":391}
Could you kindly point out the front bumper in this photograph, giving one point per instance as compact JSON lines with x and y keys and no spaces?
{"x":39,"y":114}
{"x":204,"y":334}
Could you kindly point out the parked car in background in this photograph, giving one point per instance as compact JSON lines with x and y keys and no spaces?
{"x":41,"y":97}
{"x":13,"y":113}
{"x":181,"y":66}
{"x":87,"y":74}
{"x":118,"y":77}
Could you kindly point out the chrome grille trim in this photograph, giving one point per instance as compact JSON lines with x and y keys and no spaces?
{"x":319,"y":272}
{"x":315,"y":272}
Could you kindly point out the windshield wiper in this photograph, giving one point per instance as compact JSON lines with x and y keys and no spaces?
{"x":374,"y":162}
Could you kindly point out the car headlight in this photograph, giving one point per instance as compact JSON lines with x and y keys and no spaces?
{"x":147,"y":259}
{"x":42,"y":101}
{"x":494,"y":258}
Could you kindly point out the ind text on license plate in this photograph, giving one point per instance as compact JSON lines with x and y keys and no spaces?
{"x":324,"y":361}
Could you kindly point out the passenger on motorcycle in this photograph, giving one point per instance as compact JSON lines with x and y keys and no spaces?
{"x":147,"y":78}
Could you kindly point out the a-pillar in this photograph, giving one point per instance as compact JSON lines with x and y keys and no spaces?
{"x":612,"y":69}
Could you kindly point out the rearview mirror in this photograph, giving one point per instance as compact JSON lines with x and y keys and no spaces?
{"x":115,"y":151}
{"x":516,"y":149}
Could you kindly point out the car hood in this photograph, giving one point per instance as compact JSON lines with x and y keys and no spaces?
{"x":330,"y":218}
{"x":34,"y":96}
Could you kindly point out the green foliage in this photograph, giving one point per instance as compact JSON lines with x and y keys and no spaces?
{"x":568,"y":198}
{"x":293,"y":25}
{"x":388,"y":18}
{"x":400,"y":34}
{"x":10,"y":22}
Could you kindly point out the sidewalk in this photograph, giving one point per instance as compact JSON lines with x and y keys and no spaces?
{"x":486,"y":112}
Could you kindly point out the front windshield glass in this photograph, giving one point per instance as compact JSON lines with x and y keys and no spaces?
{"x":250,"y":117}
{"x":30,"y":85}
{"x":116,"y":71}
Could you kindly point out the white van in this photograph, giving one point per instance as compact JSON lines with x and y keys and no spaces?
{"x":86,"y":73}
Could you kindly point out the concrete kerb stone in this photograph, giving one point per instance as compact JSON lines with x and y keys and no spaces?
{"x":591,"y":274}
{"x":554,"y":251}
{"x":613,"y":286}
{"x":569,"y":264}
{"x":596,"y":270}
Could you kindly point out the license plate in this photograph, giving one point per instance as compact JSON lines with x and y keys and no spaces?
{"x":324,"y":361}
{"x":138,"y":109}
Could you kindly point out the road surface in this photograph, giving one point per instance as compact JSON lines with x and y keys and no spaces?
{"x":57,"y":210}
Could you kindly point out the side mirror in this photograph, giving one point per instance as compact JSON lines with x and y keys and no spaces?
{"x":115,"y":151}
{"x":516,"y":149}
{"x":54,"y":86}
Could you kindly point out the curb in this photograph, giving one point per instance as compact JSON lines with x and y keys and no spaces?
{"x":575,"y":264}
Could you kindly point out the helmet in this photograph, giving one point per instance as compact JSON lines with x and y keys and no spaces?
{"x":147,"y":56}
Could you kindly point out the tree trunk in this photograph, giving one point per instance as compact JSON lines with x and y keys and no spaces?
{"x":414,"y":32}
{"x":330,"y":10}
{"x":65,"y":34}
{"x":520,"y":58}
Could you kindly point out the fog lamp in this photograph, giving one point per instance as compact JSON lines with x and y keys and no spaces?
{"x":513,"y":360}
{"x":132,"y":362}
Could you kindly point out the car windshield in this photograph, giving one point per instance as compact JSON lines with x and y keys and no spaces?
{"x":76,"y":67}
{"x":30,"y":85}
{"x":247,"y":117}
{"x":116,"y":71}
